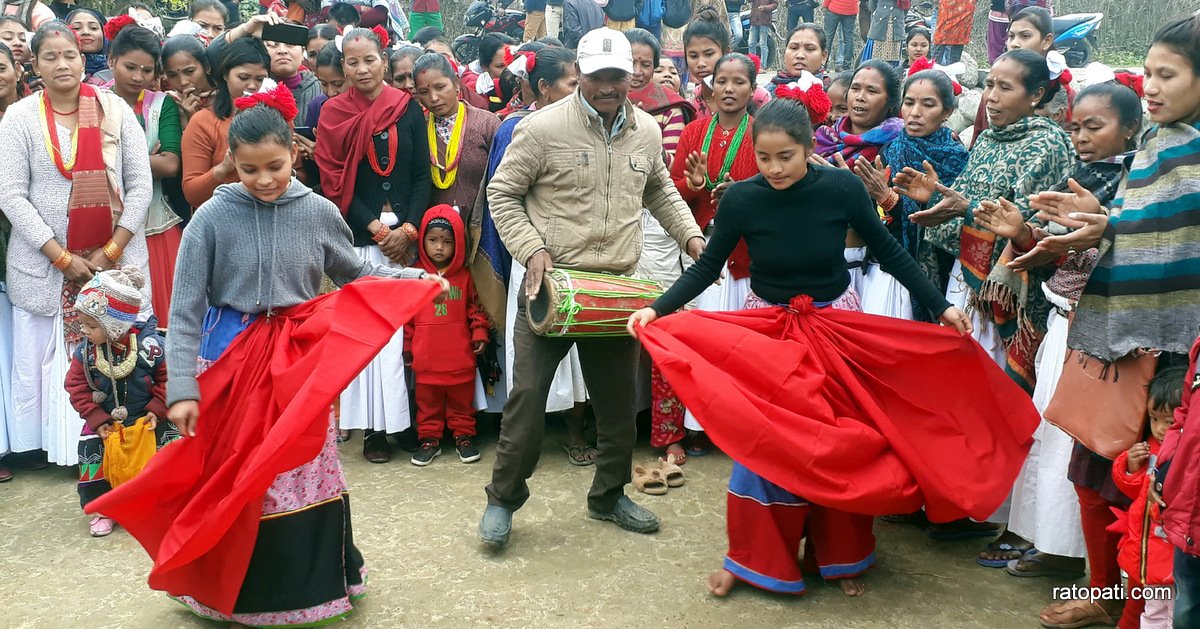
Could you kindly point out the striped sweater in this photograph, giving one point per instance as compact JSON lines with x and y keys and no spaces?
{"x":1145,"y":291}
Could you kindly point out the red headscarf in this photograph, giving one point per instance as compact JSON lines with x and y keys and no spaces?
{"x":344,"y":136}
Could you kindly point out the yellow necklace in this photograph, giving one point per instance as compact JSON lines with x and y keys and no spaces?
{"x":452,"y":151}
{"x":124,"y":368}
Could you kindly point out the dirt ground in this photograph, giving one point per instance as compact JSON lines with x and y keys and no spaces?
{"x":416,"y":528}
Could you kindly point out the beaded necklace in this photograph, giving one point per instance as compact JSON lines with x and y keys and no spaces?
{"x":373,"y":158}
{"x":444,"y":176}
{"x":734,"y":144}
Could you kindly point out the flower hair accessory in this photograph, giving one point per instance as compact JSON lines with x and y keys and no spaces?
{"x":458,"y":68}
{"x":1132,"y":81}
{"x":154,"y":24}
{"x":523,"y":64}
{"x":1056,"y":63}
{"x":384,"y":38}
{"x":951,"y":71}
{"x":508,"y":55}
{"x":278,"y":98}
{"x":757,"y":62}
{"x":114,"y":26}
{"x":809,"y":90}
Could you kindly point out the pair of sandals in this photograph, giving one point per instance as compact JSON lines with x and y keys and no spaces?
{"x":657,"y":480}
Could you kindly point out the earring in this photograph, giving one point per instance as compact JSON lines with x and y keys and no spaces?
{"x":293,"y":172}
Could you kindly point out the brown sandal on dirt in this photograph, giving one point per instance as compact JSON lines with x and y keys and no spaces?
{"x":649,"y":480}
{"x":1086,"y":614}
{"x":672,"y":473}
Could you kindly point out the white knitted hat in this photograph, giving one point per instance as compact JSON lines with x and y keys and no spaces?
{"x":113,"y":298}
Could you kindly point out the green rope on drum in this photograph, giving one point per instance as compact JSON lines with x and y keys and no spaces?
{"x":570,"y":307}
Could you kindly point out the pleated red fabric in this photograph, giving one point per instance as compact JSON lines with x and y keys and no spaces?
{"x":857,"y":412}
{"x":264,"y":410}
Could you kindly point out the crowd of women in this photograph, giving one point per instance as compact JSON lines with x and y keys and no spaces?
{"x":1067,"y":239}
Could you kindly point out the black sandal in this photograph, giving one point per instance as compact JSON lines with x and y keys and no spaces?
{"x":578,"y":455}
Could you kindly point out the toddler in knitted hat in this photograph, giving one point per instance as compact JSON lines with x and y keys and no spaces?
{"x":109,"y":303}
{"x":118,"y":377}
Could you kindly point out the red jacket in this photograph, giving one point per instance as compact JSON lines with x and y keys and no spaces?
{"x":441,"y":337}
{"x":1147,"y":558}
{"x":1181,"y":491}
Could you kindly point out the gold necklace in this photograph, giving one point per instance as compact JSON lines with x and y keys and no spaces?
{"x":124,"y":368}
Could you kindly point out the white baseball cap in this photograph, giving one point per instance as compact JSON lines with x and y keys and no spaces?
{"x":604,"y":48}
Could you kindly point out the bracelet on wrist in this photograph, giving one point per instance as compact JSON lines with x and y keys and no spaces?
{"x":63,"y":260}
{"x":381,"y":233}
{"x":113,"y":251}
{"x":1032,"y":240}
{"x":409,"y":231}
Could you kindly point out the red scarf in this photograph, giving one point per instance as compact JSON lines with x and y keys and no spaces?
{"x":348,"y":122}
{"x":90,"y":215}
{"x":654,"y":99}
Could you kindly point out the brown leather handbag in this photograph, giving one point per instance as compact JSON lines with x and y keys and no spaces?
{"x":1102,"y":404}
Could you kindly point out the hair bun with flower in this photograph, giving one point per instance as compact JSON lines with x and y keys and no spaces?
{"x":757,"y":62}
{"x":115,"y":25}
{"x":1132,"y":81}
{"x":279,"y":98}
{"x":523,"y":64}
{"x":951,"y":71}
{"x":809,"y":90}
{"x":384,"y":38}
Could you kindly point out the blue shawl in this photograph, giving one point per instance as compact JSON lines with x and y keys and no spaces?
{"x":941,"y":149}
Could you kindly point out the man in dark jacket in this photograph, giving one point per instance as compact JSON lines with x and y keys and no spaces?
{"x":579,"y":17}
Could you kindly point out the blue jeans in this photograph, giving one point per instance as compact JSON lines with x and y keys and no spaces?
{"x":759,"y":35}
{"x":735,"y":29}
{"x":1187,"y":589}
{"x":843,"y":58}
{"x":798,"y":14}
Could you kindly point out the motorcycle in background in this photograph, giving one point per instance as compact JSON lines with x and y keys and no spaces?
{"x":1076,"y":37}
{"x":483,"y":17}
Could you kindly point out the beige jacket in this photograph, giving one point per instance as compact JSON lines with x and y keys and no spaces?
{"x":564,"y":187}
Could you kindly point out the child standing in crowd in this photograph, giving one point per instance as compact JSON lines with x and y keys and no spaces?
{"x":443,"y":341}
{"x":118,"y":376}
{"x":1146,"y":555}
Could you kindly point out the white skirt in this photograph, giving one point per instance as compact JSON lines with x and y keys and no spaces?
{"x":884,"y":295}
{"x":43,"y":416}
{"x":377,"y":399}
{"x":728,"y":296}
{"x":661,"y":259}
{"x":958,"y":294}
{"x":568,"y":387}
{"x":1045,"y":509}
{"x":8,"y":418}
{"x":856,"y":256}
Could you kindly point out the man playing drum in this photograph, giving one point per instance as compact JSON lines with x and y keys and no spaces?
{"x":569,"y":194}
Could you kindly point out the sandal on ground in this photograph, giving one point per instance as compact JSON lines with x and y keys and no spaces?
{"x":1008,"y":551}
{"x":677,"y":458}
{"x":649,"y":480}
{"x":578,"y":455}
{"x":1087,"y":614}
{"x":672,"y":473}
{"x":961,"y":529}
{"x":1037,"y":564}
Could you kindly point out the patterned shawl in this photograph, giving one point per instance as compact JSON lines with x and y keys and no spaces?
{"x":1015,"y":161}
{"x":941,"y":149}
{"x":1145,"y":291}
{"x":1102,"y":178}
{"x":836,"y":138}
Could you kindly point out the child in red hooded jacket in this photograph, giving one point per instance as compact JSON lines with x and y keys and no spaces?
{"x":443,"y":341}
{"x":1144,"y":552}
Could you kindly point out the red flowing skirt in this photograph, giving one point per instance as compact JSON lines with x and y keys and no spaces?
{"x":862,"y":413}
{"x":264,"y":410}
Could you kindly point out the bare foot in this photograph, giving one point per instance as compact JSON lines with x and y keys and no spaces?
{"x":720,"y":582}
{"x":852,"y":587}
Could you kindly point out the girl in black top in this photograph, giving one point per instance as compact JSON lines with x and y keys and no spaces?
{"x":794,"y":217}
